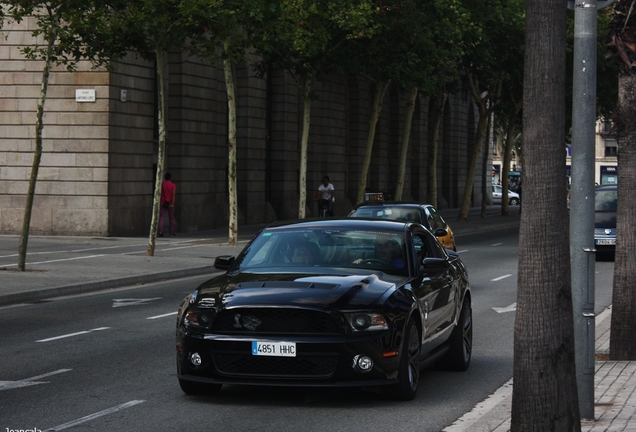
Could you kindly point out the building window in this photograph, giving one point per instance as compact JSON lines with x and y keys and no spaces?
{"x":611,"y":148}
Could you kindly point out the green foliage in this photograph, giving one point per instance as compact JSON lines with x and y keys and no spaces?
{"x":82,"y":29}
{"x":301,"y":36}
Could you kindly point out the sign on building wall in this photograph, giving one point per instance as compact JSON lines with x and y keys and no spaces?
{"x":84,"y":95}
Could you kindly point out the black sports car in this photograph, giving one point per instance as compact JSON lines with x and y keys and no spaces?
{"x":351,"y":302}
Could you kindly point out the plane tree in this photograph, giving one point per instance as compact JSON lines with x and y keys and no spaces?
{"x":223,"y":40}
{"x":430,"y":33}
{"x":154,"y":27}
{"x":68,"y":31}
{"x":486,"y":65}
{"x":301,"y":37}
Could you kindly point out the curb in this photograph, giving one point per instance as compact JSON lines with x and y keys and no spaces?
{"x":82,"y":288}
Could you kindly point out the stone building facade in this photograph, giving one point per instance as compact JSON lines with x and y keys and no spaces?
{"x":99,"y":154}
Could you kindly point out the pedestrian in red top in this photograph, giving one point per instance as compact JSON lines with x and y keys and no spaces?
{"x":168,"y":195}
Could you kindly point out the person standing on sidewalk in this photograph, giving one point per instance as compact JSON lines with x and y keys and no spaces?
{"x":168,"y":195}
{"x":325,"y":195}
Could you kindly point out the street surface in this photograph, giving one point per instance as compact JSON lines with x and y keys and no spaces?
{"x":105,"y":361}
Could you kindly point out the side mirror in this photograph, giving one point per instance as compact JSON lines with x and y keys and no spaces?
{"x":224,"y":262}
{"x":434,"y":263}
{"x":440,"y":232}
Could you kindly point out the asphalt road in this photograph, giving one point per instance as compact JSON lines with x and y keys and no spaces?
{"x":106,"y":362}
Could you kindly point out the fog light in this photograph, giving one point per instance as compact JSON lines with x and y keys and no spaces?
{"x":362,"y":363}
{"x":195,"y":359}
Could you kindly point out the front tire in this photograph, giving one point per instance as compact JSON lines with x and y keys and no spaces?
{"x":409,"y":369}
{"x":461,"y":342}
{"x":514,"y":201}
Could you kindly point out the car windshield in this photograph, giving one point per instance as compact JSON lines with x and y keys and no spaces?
{"x":605,"y":201}
{"x":289,"y":250}
{"x":399,"y":213}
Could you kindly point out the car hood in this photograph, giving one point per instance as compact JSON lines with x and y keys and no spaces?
{"x":604,"y":219}
{"x":305,"y":290}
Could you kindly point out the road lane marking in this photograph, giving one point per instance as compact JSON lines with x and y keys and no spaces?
{"x":133,"y":301}
{"x":511,"y":308}
{"x":95,"y":415}
{"x":462,"y":251}
{"x":162,"y":316}
{"x":500,"y":278}
{"x":496,"y":244}
{"x":53,"y":261}
{"x":6,"y":385}
{"x":73,"y":334}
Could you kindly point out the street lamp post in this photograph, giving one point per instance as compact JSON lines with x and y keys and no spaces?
{"x":582,"y":251}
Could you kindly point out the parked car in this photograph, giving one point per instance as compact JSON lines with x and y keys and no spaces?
{"x":605,"y":201}
{"x":369,"y":303}
{"x":497,"y":193}
{"x":424,"y":214}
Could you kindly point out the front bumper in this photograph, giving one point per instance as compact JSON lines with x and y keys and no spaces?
{"x":319,"y":361}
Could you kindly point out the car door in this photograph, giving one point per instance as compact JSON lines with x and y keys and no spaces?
{"x":434,"y":289}
{"x":496,"y":194}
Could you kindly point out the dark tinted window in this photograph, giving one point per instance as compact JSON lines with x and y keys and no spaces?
{"x":605,"y":201}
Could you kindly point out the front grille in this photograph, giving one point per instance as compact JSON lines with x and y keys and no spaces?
{"x":275,"y":321}
{"x":243,"y":365}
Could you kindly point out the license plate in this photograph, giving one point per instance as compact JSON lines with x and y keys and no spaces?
{"x":610,"y":241}
{"x":274,"y":349}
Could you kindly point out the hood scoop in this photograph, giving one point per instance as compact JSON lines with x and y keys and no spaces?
{"x":287,"y":285}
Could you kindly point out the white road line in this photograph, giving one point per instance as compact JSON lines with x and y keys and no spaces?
{"x":133,"y":301}
{"x":6,"y":385}
{"x":73,"y":334}
{"x":496,"y":244}
{"x":94,"y":416}
{"x":162,"y":316}
{"x":462,"y":251}
{"x":52,"y":261}
{"x":500,"y":278}
{"x":511,"y":308}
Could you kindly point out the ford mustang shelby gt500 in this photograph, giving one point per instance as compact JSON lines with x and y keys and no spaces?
{"x":353,"y":302}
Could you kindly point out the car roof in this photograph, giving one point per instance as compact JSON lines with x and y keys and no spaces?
{"x":392,"y":204}
{"x":607,"y":187}
{"x":344,"y":223}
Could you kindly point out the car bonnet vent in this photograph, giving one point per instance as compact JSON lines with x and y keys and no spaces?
{"x":287,"y":284}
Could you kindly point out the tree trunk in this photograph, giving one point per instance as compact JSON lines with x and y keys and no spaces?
{"x":511,"y":138}
{"x":545,"y":396}
{"x":37,"y":155}
{"x":440,"y":103}
{"x":406,"y":138}
{"x":231,"y":150}
{"x":161,"y":152}
{"x":302,"y":180}
{"x":472,"y":163}
{"x":486,"y":178}
{"x":380,"y":91}
{"x":623,"y":330}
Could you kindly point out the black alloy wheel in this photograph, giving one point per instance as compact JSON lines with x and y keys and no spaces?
{"x":409,"y":371}
{"x":461,"y":342}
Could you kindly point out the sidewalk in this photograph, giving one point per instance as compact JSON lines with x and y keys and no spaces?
{"x":59,"y":266}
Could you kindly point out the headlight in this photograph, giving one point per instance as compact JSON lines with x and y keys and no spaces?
{"x":367,"y":321}
{"x":196,"y":318}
